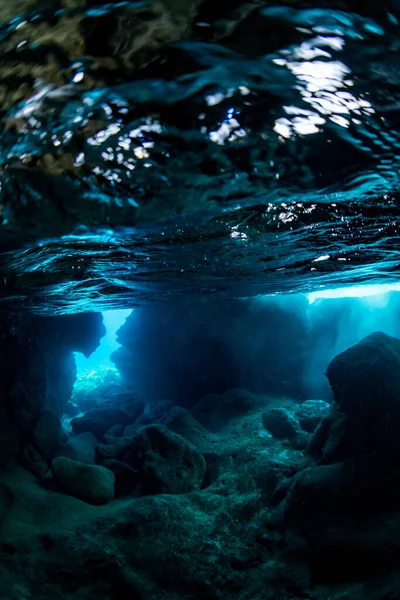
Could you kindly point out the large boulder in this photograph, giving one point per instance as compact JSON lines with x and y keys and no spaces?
{"x":91,"y":483}
{"x":167,"y":463}
{"x":365,"y":417}
{"x":365,"y":379}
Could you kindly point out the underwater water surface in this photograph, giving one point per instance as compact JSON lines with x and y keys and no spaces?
{"x":152,"y":150}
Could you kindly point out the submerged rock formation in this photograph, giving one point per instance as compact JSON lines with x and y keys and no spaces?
{"x":345,"y":502}
{"x":365,"y":419}
{"x":220,"y":499}
{"x":37,"y":375}
{"x":224,"y":351}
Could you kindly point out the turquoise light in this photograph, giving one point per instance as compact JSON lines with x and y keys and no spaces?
{"x":373,"y":292}
{"x":100,"y":359}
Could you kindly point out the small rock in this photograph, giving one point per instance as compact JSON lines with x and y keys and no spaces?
{"x":80,"y":448}
{"x":280,"y":423}
{"x":126,"y":478}
{"x":90,"y":483}
{"x":310,"y":413}
{"x":47,"y":434}
{"x":167,"y":463}
{"x":100,"y":421}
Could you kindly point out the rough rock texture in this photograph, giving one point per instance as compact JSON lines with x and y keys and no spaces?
{"x":280,"y":423}
{"x":335,"y":515}
{"x":166,"y":462}
{"x":310,"y":414}
{"x":212,"y":543}
{"x":365,"y":417}
{"x":37,"y":374}
{"x":90,"y":483}
{"x":180,"y":421}
{"x":266,"y":520}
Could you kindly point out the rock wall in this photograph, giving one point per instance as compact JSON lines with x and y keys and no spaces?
{"x":37,"y":371}
{"x":185,"y":350}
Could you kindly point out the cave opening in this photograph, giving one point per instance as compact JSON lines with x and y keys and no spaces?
{"x":98,"y":380}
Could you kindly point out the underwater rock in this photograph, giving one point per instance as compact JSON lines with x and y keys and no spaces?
{"x":360,"y":485}
{"x":60,"y":369}
{"x":99,"y":421}
{"x":310,"y":413}
{"x":47,"y":434}
{"x":365,"y":378}
{"x":126,"y":478}
{"x":80,"y":448}
{"x":91,"y":483}
{"x":34,"y":461}
{"x":79,"y":332}
{"x":167,"y":463}
{"x":215,"y":410}
{"x":280,"y":423}
{"x":365,"y":416}
{"x":180,"y":421}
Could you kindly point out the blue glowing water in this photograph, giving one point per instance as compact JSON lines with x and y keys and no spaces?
{"x":100,"y":359}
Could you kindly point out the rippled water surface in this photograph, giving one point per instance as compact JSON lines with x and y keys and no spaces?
{"x":152,"y":149}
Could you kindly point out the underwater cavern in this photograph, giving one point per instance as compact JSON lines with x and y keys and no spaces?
{"x":200,"y":300}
